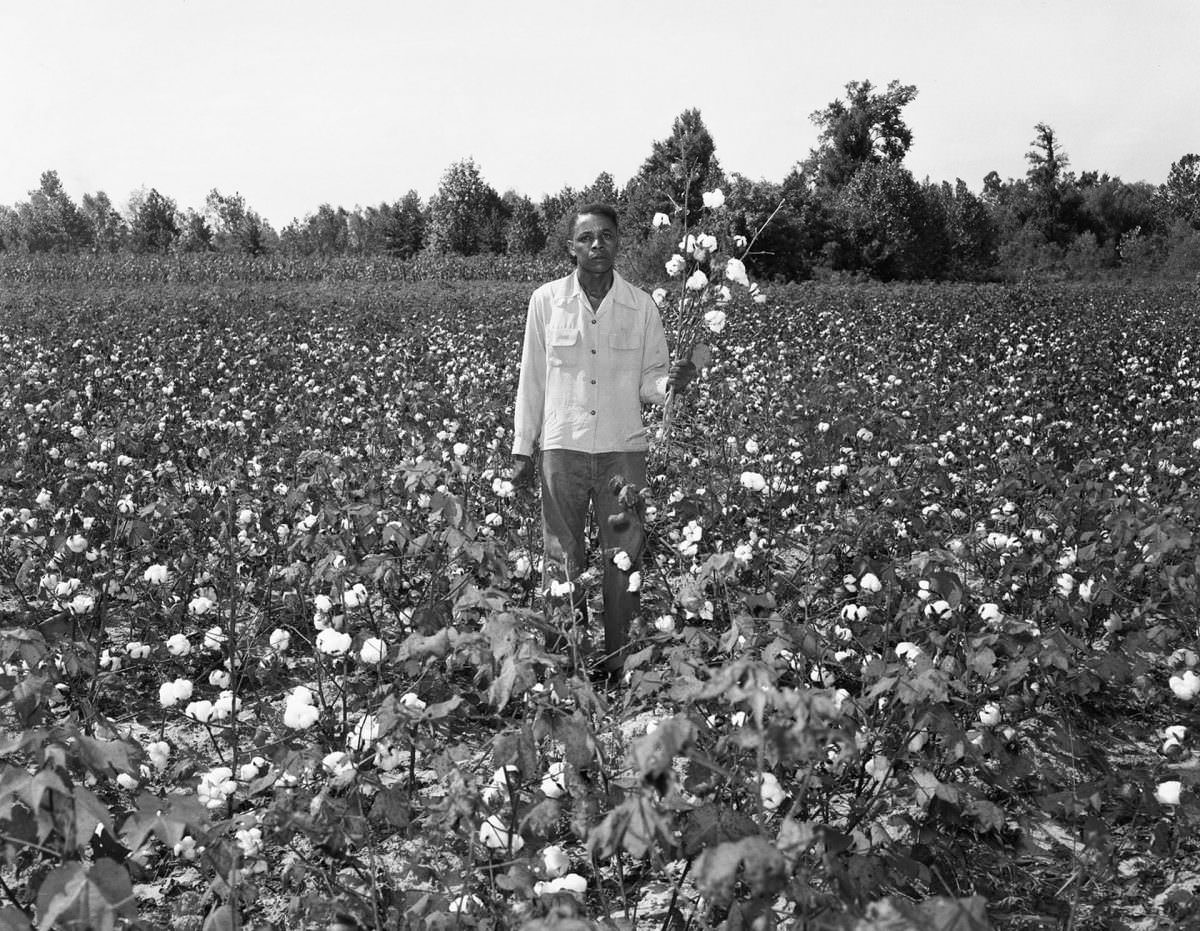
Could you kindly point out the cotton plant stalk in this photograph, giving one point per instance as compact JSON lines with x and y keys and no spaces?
{"x":707,"y":276}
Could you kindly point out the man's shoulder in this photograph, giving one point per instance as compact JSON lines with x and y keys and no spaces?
{"x":626,"y":292}
{"x":556,"y":288}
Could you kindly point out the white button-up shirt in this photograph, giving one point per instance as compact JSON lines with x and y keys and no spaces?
{"x":585,"y":373}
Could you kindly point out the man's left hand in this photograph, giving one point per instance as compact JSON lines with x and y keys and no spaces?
{"x":680,"y":375}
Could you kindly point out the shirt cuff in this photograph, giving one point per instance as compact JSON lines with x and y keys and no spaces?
{"x":522,"y":446}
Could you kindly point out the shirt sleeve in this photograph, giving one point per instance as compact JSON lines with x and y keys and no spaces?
{"x":656,"y":359}
{"x":531,"y":384}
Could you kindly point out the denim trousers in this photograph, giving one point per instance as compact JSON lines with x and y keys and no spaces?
{"x":571,"y":482}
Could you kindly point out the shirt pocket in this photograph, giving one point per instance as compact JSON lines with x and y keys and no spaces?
{"x":626,"y":348}
{"x":562,"y":346}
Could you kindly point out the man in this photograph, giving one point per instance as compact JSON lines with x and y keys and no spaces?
{"x":594,"y":353}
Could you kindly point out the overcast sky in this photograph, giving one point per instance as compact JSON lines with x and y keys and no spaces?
{"x":294,"y":103}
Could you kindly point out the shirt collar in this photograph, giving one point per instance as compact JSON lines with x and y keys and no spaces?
{"x":619,"y":292}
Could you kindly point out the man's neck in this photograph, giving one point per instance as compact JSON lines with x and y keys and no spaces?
{"x":595,"y":286}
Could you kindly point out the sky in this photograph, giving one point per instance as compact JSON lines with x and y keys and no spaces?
{"x":295,"y":103}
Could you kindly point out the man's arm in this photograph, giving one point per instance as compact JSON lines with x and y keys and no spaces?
{"x":531,"y":384}
{"x":658,"y":373}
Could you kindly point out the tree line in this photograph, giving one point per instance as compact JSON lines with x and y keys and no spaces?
{"x":849,"y":208}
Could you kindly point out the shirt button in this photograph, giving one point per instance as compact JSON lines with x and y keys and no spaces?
{"x":593,"y":413}
{"x":593,"y":352}
{"x":593,"y":381}
{"x":593,"y":320}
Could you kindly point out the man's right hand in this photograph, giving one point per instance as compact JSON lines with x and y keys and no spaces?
{"x":522,"y":473}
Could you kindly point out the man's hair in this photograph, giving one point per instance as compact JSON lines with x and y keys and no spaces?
{"x":600,"y":210}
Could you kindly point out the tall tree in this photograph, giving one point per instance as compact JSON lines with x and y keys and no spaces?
{"x":50,"y":221}
{"x":108,"y":228}
{"x":404,"y":234}
{"x":466,"y":216}
{"x":1179,"y":196}
{"x":195,"y":235}
{"x":153,"y":221}
{"x":675,"y":176}
{"x":237,"y":228}
{"x":893,"y":230}
{"x":866,"y":128}
{"x":524,"y":234}
{"x":1055,"y":195}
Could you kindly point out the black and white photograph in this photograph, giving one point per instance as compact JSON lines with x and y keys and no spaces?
{"x":599,"y":467}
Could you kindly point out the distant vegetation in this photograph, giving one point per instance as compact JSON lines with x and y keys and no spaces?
{"x":850,"y":208}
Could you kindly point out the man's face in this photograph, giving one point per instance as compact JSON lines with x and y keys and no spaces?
{"x":594,"y":243}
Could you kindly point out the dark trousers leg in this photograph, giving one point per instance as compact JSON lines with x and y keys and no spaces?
{"x":621,"y":530}
{"x":566,"y":494}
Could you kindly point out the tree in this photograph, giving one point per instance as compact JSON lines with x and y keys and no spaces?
{"x":674,"y":178}
{"x":466,"y":216}
{"x":10,"y":229}
{"x":153,"y":221}
{"x":524,"y":234}
{"x":972,"y":232}
{"x":1052,"y":187}
{"x":1179,"y":196}
{"x":107,"y":227}
{"x":50,"y":221}
{"x":1109,"y":209}
{"x":237,"y":228}
{"x":866,"y":128}
{"x":195,"y":235}
{"x":892,"y":229}
{"x":404,"y":233}
{"x":601,"y":191}
{"x":555,"y":208}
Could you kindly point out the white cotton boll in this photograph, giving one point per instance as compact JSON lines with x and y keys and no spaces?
{"x":373,"y":651}
{"x":1169,"y":792}
{"x":735,"y":271}
{"x":870,"y":582}
{"x":622,"y":561}
{"x":333,"y":642}
{"x":200,"y":605}
{"x":323,"y":603}
{"x":410,"y":701}
{"x":908,"y":651}
{"x":714,"y":199}
{"x":989,"y":714}
{"x":300,"y":717}
{"x":280,"y":640}
{"x":554,"y":783}
{"x":178,"y":645}
{"x":159,"y":754}
{"x":753,"y":481}
{"x":554,"y":861}
{"x":364,"y":734}
{"x":990,"y":613}
{"x":715,"y":320}
{"x":156,"y":574}
{"x":1185,"y":685}
{"x":771,"y":792}
{"x":658,"y":295}
{"x":696,"y":281}
{"x":201,"y":711}
{"x":355,"y":596}
{"x":495,"y":835}
{"x":214,"y":639}
{"x":635,"y":582}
